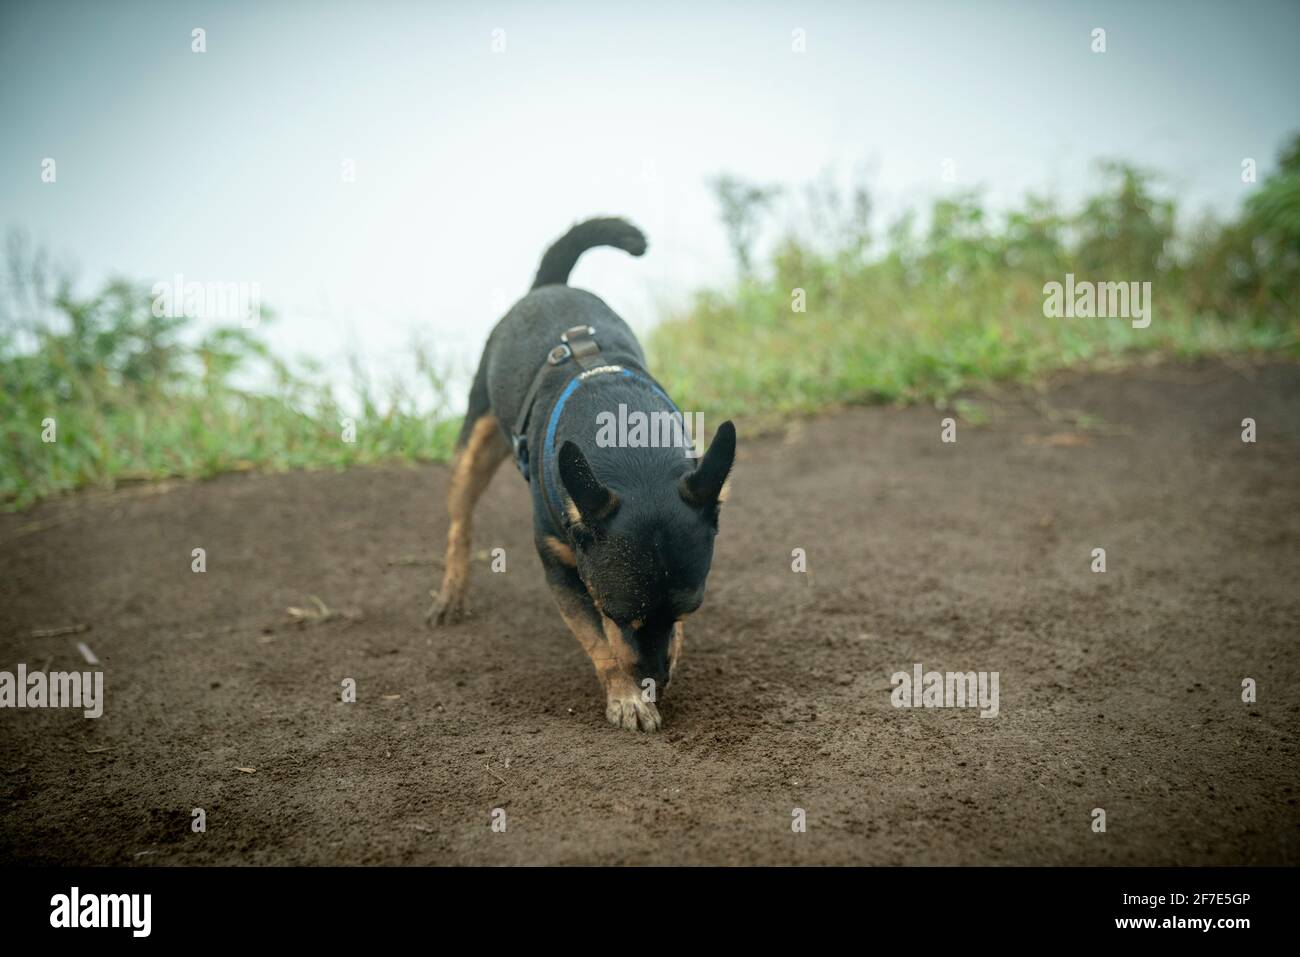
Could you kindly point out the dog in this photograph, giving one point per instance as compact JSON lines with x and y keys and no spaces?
{"x":625,"y":534}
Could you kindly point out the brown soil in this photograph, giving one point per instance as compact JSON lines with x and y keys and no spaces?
{"x":1119,"y":690}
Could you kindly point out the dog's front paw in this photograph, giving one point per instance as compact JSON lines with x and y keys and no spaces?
{"x":631,"y":711}
{"x":448,"y":607}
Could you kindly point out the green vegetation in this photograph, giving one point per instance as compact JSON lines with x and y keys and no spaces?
{"x":913,"y":314}
{"x":132,"y":400}
{"x":919,"y":315}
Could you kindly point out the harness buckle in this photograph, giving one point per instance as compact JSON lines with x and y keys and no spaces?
{"x":581,"y":342}
{"x":559,"y":354}
{"x":577,"y":332}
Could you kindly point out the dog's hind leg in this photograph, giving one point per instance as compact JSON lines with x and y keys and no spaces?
{"x":482,"y":449}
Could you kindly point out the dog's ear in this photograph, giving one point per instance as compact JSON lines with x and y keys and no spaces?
{"x":704,"y":486}
{"x":594,"y":501}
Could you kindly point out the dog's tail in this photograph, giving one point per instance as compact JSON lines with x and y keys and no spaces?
{"x":563,"y":254}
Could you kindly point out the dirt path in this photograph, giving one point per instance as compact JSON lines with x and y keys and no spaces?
{"x":1119,"y":690}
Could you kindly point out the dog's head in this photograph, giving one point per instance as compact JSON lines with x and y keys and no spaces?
{"x":644,"y":550}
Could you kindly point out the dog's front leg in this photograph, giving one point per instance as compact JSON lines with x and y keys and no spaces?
{"x":626,"y":705}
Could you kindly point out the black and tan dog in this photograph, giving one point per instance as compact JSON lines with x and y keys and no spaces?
{"x":625,"y":533}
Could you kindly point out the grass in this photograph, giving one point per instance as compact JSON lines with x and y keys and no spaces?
{"x":962,"y":304}
{"x":879,"y":338}
{"x":128,"y":400}
{"x":911,"y":315}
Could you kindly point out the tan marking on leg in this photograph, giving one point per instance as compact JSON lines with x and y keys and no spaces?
{"x":675,"y":649}
{"x":560,"y":550}
{"x":470,"y":475}
{"x":615,"y":664}
{"x":625,"y":703}
{"x":621,"y":651}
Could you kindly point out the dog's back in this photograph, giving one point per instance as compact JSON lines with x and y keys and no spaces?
{"x":532,"y":327}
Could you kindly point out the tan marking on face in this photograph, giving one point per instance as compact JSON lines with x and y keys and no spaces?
{"x":577,"y":518}
{"x":607,"y":509}
{"x":637,"y":624}
{"x":571,"y":511}
{"x":726,"y":490}
{"x":560,"y":550}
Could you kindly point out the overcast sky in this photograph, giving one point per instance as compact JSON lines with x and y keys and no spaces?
{"x":227,"y":165}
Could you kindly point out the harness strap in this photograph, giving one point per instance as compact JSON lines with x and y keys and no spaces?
{"x":578,"y":343}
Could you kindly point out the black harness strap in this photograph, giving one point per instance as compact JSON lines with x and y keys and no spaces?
{"x":577,"y":343}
